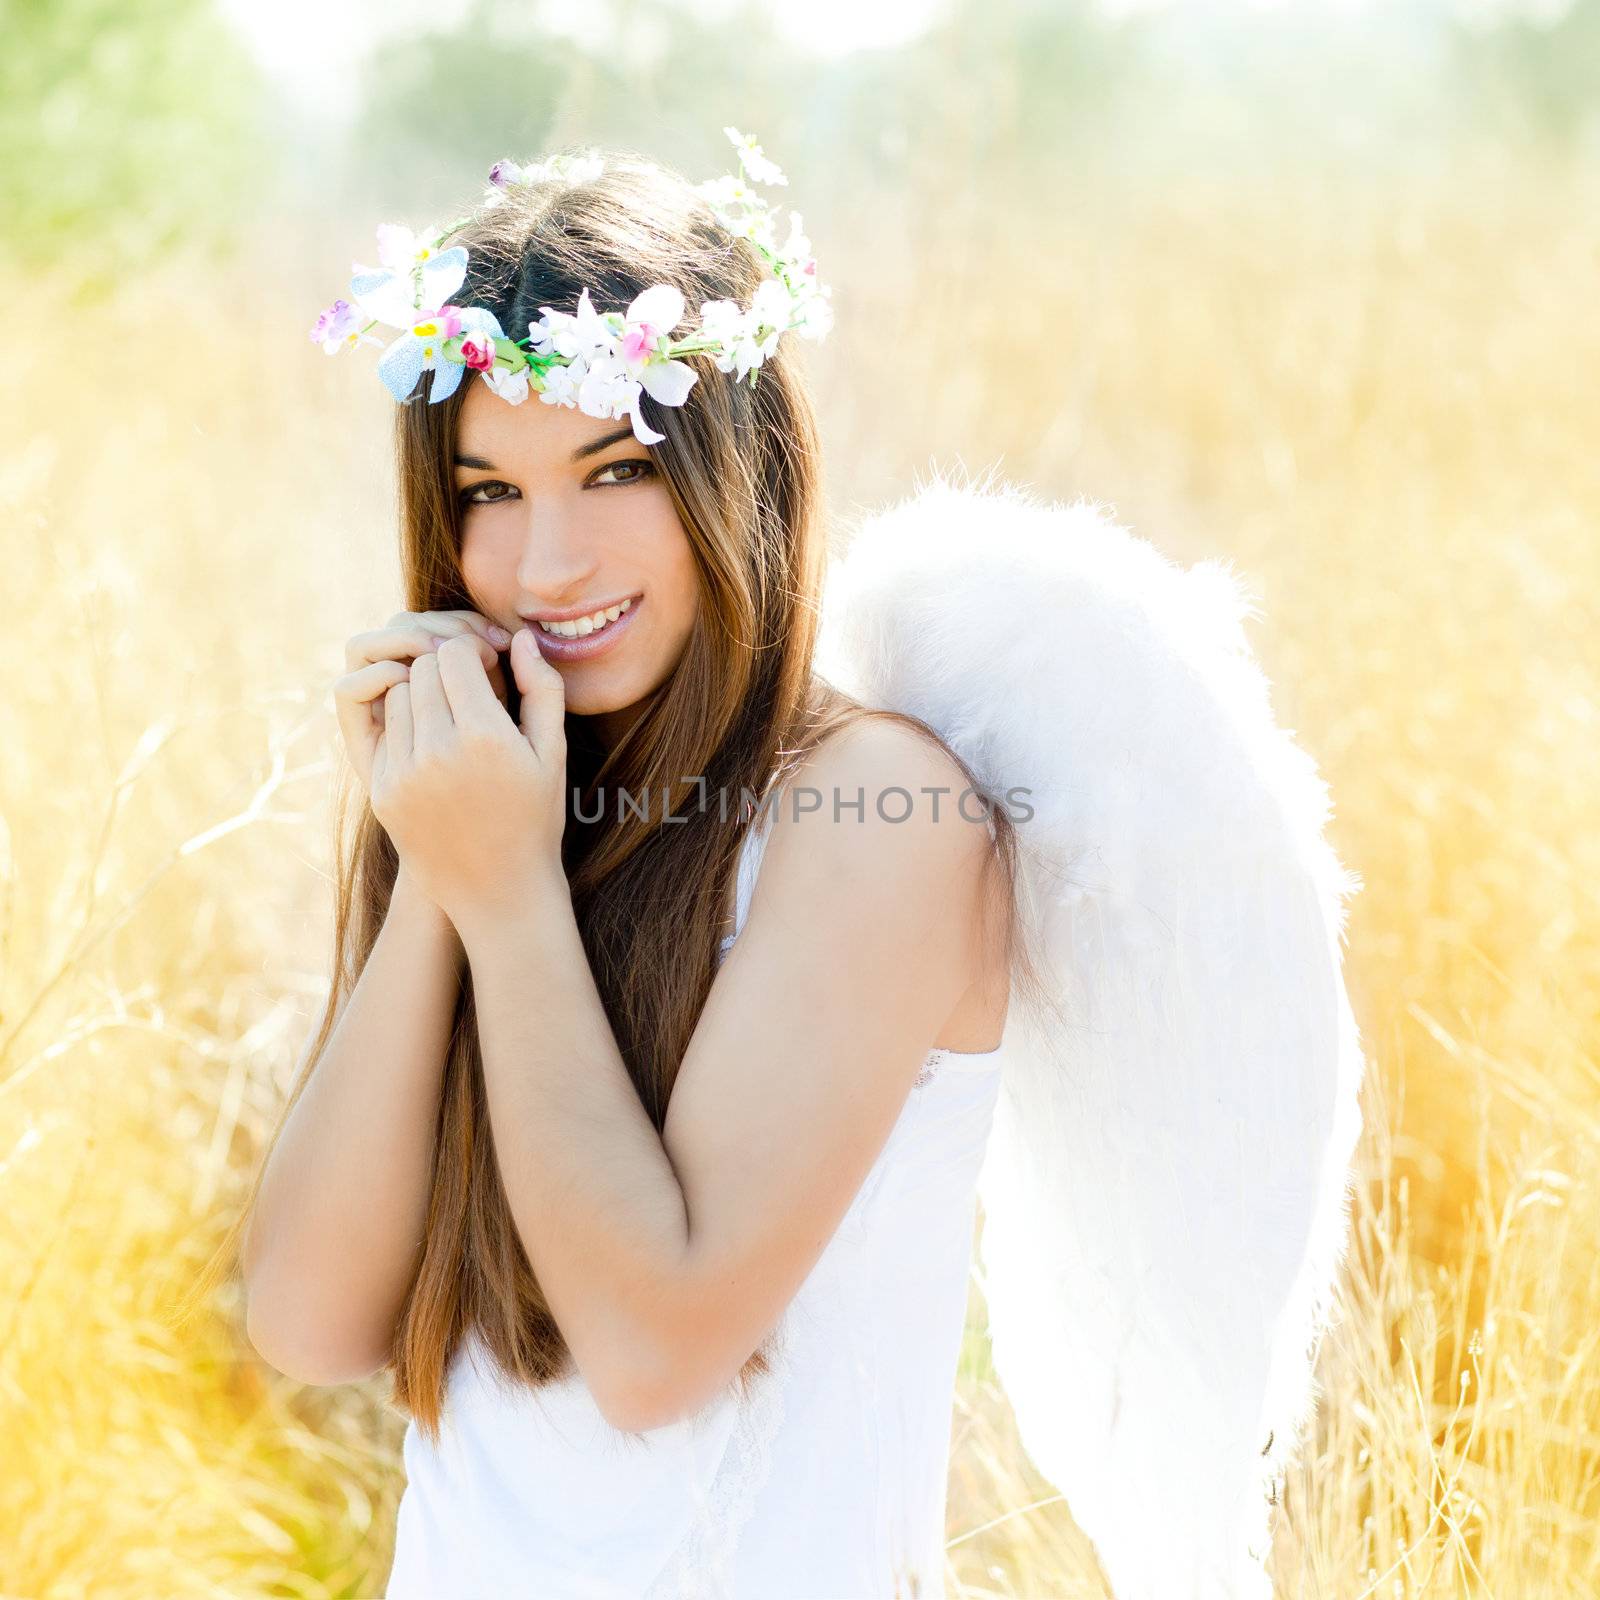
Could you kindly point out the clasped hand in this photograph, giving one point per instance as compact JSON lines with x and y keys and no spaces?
{"x":473,"y":802}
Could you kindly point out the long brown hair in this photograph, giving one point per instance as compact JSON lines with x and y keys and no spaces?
{"x":741,"y":709}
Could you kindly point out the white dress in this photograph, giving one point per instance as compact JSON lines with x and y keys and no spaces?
{"x":827,"y":1483}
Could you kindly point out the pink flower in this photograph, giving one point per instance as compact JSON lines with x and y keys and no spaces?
{"x":640,"y":341}
{"x":478,"y":351}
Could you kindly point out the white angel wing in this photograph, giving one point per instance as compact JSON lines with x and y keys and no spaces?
{"x":1166,"y":1189}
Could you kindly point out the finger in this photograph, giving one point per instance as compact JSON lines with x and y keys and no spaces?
{"x":544,"y":696}
{"x":357,"y":701}
{"x":444,"y":619}
{"x":405,"y":644}
{"x":486,"y":652}
{"x":473,"y":703}
{"x":432,"y":724}
{"x":387,"y":644}
{"x":397,"y":724}
{"x":367,"y":687}
{"x":468,"y":621}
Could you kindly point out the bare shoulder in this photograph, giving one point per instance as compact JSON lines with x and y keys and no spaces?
{"x":887,"y":772}
{"x":885,"y":807}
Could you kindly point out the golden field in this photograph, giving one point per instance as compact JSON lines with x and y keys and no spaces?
{"x":1378,"y":395}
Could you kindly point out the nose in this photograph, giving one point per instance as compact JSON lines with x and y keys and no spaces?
{"x":556,"y":564}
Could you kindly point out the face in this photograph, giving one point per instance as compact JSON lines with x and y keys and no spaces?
{"x":566,"y":515}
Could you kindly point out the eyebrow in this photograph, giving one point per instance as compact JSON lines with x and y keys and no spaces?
{"x":593,"y":448}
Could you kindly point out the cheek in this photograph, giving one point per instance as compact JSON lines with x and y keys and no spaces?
{"x":486,"y":563}
{"x":669,"y":553}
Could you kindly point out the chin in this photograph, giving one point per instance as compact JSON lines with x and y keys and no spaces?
{"x":592,"y":699}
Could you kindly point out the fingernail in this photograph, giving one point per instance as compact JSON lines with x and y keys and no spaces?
{"x":499,"y":634}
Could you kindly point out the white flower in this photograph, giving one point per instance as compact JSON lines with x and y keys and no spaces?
{"x":740,"y":210}
{"x":399,"y":249}
{"x":642,"y":431}
{"x":570,"y":168}
{"x":743,"y":354}
{"x":729,"y":193}
{"x":510,"y":383}
{"x":735,"y":330}
{"x":604,"y":388}
{"x":816,"y":316}
{"x":540,"y":337}
{"x":580,"y":168}
{"x":561,"y":383}
{"x":607,"y":391}
{"x":796,"y":249}
{"x":655,"y":313}
{"x":758,"y":226}
{"x":721,"y":320}
{"x":755,"y":162}
{"x":390,"y":294}
{"x":587,"y":334}
{"x":650,"y":319}
{"x":771,"y":305}
{"x":668,"y":382}
{"x":770,"y":309}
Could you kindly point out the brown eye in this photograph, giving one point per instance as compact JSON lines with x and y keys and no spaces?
{"x":644,"y":469}
{"x":468,"y":496}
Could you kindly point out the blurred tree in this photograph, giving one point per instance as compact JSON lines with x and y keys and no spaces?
{"x":1538,"y":64}
{"x":642,"y":73}
{"x":124,"y":130}
{"x":438,"y":108}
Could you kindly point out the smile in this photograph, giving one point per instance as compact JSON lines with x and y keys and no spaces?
{"x":555,"y":646}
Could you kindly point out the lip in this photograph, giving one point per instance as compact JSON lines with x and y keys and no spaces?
{"x":554,"y":649}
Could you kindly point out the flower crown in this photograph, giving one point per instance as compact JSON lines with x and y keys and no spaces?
{"x":598,"y":361}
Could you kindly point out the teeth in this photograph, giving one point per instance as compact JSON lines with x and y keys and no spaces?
{"x":585,"y":625}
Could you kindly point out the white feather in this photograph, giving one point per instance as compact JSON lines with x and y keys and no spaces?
{"x":1166,"y":1189}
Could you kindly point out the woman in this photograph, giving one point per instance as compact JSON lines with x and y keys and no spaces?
{"x":669,"y":1264}
{"x":667,"y":1254}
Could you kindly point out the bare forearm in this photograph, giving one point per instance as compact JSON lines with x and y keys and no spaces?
{"x":598,"y":1207}
{"x":337,"y":1228}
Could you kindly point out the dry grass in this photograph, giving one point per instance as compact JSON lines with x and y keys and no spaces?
{"x":1379,"y":398}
